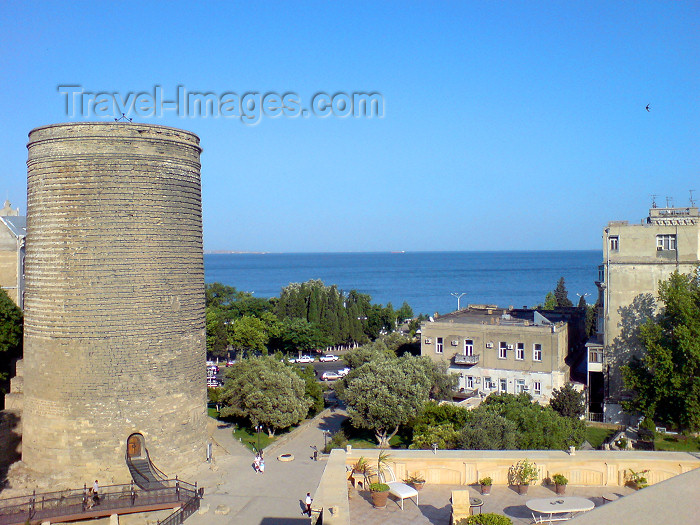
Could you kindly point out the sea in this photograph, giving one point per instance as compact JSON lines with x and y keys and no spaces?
{"x":426,"y":280}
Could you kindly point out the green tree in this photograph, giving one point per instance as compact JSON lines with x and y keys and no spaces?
{"x":383,"y":394}
{"x":582,"y":302}
{"x":266,"y":392}
{"x":550,"y":301}
{"x":405,"y":312}
{"x":561,"y":294}
{"x":11,"y":326}
{"x":665,"y":382}
{"x":312,"y":390}
{"x":568,"y":401}
{"x":217,"y":335}
{"x":487,"y":430}
{"x":248,"y":333}
{"x":219,"y":295}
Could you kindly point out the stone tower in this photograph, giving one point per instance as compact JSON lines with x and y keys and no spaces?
{"x":114,"y":333}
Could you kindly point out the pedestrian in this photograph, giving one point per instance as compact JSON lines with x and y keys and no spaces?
{"x":96,"y":492}
{"x":315,"y":449}
{"x":256,"y":463}
{"x":262,"y":466}
{"x":308,"y":501}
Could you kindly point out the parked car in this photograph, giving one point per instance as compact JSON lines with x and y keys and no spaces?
{"x":305,"y":359}
{"x":328,"y":358}
{"x":330,"y":376}
{"x":230,"y":362}
{"x":345,"y":371}
{"x":213,"y":368}
{"x":213,"y":382}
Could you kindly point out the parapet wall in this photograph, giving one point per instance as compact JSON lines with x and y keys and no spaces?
{"x":589,"y":467}
{"x":114,"y":304}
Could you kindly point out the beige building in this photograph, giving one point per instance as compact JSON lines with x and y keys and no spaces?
{"x":500,"y":350}
{"x":13,"y":233}
{"x":636,"y":257}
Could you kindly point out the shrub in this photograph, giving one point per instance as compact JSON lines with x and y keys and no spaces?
{"x":559,"y":479}
{"x":485,"y":481}
{"x":485,"y":519}
{"x":338,"y":440}
{"x":523,"y":473}
{"x":378,"y":487}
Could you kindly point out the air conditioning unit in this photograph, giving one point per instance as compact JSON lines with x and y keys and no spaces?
{"x":510,"y":347}
{"x":428,"y":341}
{"x":455,"y":342}
{"x":489,"y":345}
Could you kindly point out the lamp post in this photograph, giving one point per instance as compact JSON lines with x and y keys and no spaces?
{"x":458,"y":295}
{"x":258,"y":428}
{"x":582,"y":296}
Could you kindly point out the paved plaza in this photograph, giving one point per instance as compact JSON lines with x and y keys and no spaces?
{"x":236,"y":495}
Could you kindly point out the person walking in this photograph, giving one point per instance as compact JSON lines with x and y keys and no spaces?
{"x":262,"y":466}
{"x":308,"y":501}
{"x":96,"y":492}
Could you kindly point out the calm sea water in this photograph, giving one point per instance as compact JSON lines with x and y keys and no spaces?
{"x":424,"y":279}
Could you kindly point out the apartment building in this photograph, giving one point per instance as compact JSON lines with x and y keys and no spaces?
{"x":636,"y":258}
{"x":13,"y":234}
{"x":501,"y":350}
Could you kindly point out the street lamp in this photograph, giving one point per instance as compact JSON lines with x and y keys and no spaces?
{"x":458,"y":295}
{"x":258,"y":428}
{"x":584,"y":296}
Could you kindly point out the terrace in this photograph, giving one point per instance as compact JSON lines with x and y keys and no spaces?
{"x":591,"y":475}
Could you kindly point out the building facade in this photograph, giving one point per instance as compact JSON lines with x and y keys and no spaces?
{"x":13,"y":235}
{"x":636,"y":258}
{"x":499,"y":350}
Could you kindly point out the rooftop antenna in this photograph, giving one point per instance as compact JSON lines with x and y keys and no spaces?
{"x":653,"y":200}
{"x":692,"y":201}
{"x":458,"y":295}
{"x":669,"y":202}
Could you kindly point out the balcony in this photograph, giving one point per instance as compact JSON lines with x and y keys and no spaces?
{"x":461,"y":359}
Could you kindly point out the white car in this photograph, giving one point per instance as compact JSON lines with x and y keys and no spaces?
{"x":330,"y":376}
{"x":328,"y":358}
{"x":345,"y":371}
{"x":305,"y":359}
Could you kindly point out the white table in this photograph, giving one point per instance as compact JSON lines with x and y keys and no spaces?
{"x":558,"y":509}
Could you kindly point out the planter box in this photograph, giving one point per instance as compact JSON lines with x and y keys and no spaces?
{"x":485,"y":489}
{"x":379,"y":499}
{"x":559,"y":489}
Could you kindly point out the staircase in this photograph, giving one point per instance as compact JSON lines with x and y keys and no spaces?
{"x":144,"y":473}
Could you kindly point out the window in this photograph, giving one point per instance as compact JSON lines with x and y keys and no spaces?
{"x":520,"y":352}
{"x":665,"y":242}
{"x":470,"y":381}
{"x":468,"y":347}
{"x":504,"y":385}
{"x":519,"y":386}
{"x":595,"y":356}
{"x":438,"y":345}
{"x":488,"y":383}
{"x":537,"y":352}
{"x":614,"y":242}
{"x":537,"y":387}
{"x":503,"y":350}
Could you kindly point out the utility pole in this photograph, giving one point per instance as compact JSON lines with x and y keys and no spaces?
{"x":458,"y":295}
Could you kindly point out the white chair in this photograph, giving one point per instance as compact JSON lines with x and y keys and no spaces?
{"x":398,"y":489}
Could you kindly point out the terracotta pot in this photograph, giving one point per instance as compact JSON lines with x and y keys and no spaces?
{"x":418,"y":486}
{"x":522,"y":489}
{"x":486,"y":489}
{"x":559,"y":489}
{"x":379,"y":499}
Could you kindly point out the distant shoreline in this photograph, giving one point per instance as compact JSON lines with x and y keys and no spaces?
{"x":395,"y":252}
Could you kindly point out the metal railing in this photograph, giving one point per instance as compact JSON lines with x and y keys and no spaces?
{"x":180,"y":515}
{"x":461,"y":359}
{"x":78,"y":502}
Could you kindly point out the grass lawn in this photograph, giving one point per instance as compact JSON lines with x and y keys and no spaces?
{"x":597,"y":435}
{"x":363,"y":438}
{"x":249,"y":437}
{"x":677,"y":443}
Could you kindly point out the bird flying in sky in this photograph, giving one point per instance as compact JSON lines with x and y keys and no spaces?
{"x":648,"y":106}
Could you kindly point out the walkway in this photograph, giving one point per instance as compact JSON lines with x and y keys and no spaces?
{"x":274,"y":498}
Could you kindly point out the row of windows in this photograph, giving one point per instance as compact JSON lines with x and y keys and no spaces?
{"x":666,"y":241}
{"x":490,"y":384}
{"x":502,"y":349}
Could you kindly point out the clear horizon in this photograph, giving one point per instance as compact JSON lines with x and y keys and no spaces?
{"x":503,"y":126}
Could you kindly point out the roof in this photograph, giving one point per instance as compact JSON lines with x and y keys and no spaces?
{"x":16,"y":224}
{"x":485,"y":314}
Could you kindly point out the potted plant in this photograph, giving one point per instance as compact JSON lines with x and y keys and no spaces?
{"x":638,"y":480}
{"x":361,"y":468}
{"x":380,"y":493}
{"x":522,"y":474}
{"x":415,"y":481}
{"x":560,"y":483}
{"x":486,"y":485}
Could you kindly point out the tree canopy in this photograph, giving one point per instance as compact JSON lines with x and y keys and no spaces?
{"x":265,"y":391}
{"x":11,"y":326}
{"x":665,"y":382}
{"x":568,"y":401}
{"x":383,"y":394}
{"x":561,"y":295}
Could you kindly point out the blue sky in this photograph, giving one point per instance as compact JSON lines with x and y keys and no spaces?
{"x":507,"y":125}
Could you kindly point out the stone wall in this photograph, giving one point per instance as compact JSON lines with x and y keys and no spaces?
{"x":114,"y":304}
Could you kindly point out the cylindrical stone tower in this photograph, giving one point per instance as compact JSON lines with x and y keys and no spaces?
{"x":114,"y":330}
